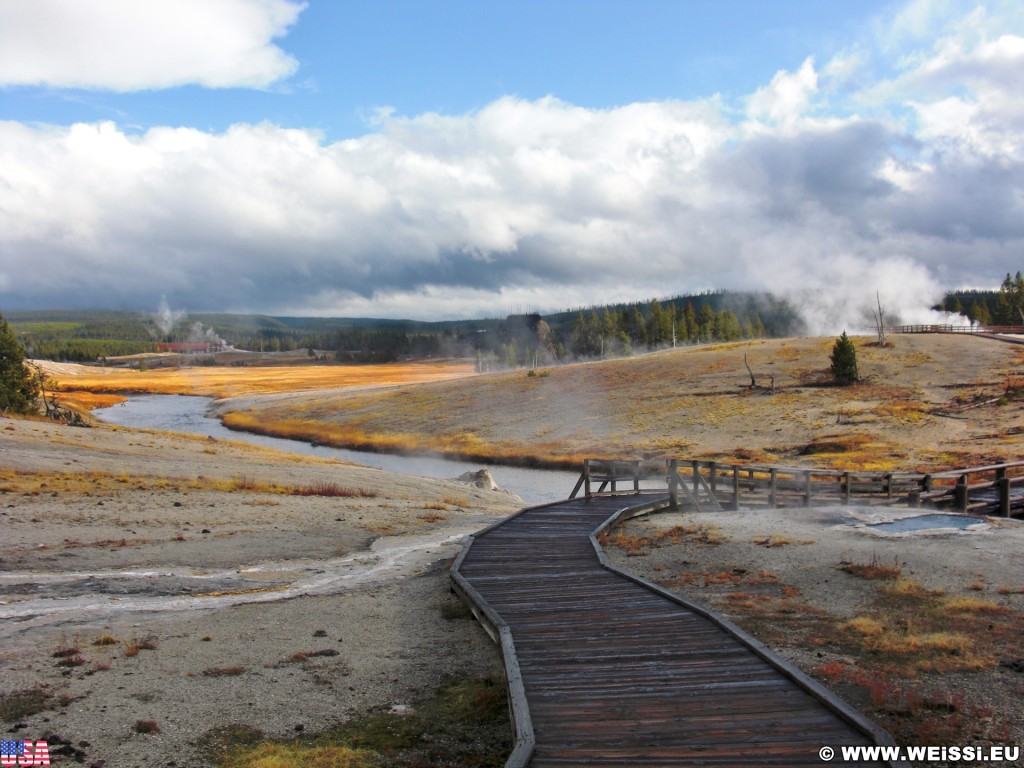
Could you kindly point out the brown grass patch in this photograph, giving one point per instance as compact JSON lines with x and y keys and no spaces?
{"x":146,"y":726}
{"x":325,"y":488}
{"x":773,"y":541}
{"x":873,"y":570}
{"x":223,"y":671}
{"x":17,"y":705}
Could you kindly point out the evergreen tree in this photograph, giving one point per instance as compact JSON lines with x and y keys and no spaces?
{"x":727,"y":326}
{"x":1010,"y":302}
{"x":636,"y":326}
{"x":706,"y":325}
{"x":844,"y":361}
{"x":690,"y":328}
{"x":979,"y":313}
{"x":586,"y":335}
{"x":19,"y":387}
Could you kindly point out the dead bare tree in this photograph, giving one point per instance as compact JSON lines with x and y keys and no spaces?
{"x":753,"y":381}
{"x":879,"y":320}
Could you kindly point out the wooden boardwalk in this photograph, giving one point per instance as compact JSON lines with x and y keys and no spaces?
{"x":608,"y":670}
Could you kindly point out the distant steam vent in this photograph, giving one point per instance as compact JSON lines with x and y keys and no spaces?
{"x":192,"y":347}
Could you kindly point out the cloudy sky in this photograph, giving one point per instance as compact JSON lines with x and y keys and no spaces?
{"x":445,"y":158}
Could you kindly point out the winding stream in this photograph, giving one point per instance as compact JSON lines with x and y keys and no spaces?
{"x":181,"y":413}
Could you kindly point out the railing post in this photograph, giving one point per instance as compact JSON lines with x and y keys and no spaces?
{"x":636,"y":475}
{"x":807,"y":488}
{"x":696,"y":480}
{"x":714,"y":479}
{"x":1004,"y":494}
{"x":673,"y":483}
{"x":1003,"y":484}
{"x":736,"y":487}
{"x":772,"y":487}
{"x":888,"y":486}
{"x":586,"y":476}
{"x":961,"y":493}
{"x":847,"y":487}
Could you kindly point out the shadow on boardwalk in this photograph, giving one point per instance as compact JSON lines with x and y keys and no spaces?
{"x":606,"y":669}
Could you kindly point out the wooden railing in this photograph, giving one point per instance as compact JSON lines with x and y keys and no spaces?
{"x":955,"y":329}
{"x":995,"y":489}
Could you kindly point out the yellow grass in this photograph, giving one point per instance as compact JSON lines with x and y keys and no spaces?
{"x":216,"y":381}
{"x":865,"y":625}
{"x":968,"y":605}
{"x":55,"y":483}
{"x":269,"y":755}
{"x":463,"y":444}
{"x":86,"y":401}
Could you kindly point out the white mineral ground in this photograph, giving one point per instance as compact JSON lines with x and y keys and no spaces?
{"x":242,"y":580}
{"x":219,"y":580}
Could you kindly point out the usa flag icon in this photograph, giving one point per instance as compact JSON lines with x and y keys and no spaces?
{"x":24,"y":753}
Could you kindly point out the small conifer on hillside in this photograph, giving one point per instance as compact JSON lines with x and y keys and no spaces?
{"x":844,"y":361}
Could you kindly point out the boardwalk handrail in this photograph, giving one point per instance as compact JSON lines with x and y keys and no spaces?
{"x":495,"y":626}
{"x":735,"y":485}
{"x":946,"y":328}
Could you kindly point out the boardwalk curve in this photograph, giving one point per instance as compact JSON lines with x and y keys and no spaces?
{"x":607,"y":669}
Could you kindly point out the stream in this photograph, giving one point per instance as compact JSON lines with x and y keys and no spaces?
{"x":182,"y":413}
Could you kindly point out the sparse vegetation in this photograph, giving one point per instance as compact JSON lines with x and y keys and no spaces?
{"x":453,"y":608}
{"x":69,"y":654}
{"x":327,"y":488}
{"x":132,"y":647}
{"x":464,"y":724}
{"x":634,"y":545}
{"x":18,"y":705}
{"x":233,"y":671}
{"x":873,"y":569}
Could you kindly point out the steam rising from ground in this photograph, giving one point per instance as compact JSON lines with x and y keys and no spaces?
{"x":169,"y":322}
{"x":165,"y":319}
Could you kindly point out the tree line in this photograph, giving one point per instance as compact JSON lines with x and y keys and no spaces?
{"x":1001,"y":307}
{"x":514,"y":340}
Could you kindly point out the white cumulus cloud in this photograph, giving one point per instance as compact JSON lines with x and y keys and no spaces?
{"x":131,"y":45}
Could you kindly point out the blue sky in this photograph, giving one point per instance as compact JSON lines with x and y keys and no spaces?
{"x":453,"y":57}
{"x":442,"y":159}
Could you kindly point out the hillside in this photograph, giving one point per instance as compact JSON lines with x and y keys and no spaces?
{"x":927,"y":401}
